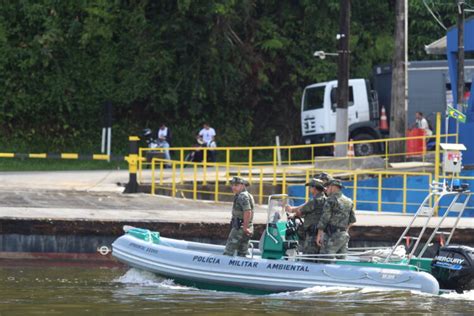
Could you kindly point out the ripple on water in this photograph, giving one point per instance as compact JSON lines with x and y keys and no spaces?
{"x":140,"y":277}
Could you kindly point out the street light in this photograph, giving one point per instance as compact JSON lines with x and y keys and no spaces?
{"x":322,"y":54}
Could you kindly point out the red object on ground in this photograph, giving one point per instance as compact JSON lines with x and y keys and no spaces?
{"x":416,"y":147}
{"x":383,"y":120}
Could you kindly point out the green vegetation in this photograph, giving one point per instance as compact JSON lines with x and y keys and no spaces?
{"x":240,"y":65}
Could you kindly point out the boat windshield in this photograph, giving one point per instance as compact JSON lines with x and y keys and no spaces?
{"x":276,"y":208}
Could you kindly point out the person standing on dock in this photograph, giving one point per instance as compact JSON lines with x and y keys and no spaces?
{"x":422,"y":122}
{"x":338,"y":216}
{"x":311,"y":211}
{"x":164,"y":141}
{"x":242,"y":217}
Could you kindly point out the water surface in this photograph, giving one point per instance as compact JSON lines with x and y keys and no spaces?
{"x":85,"y":290}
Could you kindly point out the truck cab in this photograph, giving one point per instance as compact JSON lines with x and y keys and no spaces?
{"x":318,"y":114}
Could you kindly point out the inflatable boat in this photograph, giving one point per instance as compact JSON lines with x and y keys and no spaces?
{"x":275,"y":265}
{"x":204,"y":266}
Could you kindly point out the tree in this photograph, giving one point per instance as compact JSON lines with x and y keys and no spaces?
{"x":399,"y":69}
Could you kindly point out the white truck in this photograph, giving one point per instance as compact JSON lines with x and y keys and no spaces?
{"x":318,"y":114}
{"x":429,"y":91}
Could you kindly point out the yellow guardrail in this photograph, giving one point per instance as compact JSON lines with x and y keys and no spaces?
{"x":252,"y":156}
{"x":191,"y":185}
{"x":177,"y":176}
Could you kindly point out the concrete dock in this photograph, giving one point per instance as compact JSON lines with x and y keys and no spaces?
{"x":81,"y":204}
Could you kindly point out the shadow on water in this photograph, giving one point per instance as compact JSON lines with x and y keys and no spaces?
{"x":55,"y":290}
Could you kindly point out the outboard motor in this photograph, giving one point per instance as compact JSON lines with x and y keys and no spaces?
{"x":453,"y":267}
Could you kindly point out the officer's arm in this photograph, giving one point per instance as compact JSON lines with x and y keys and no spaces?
{"x":245,"y":224}
{"x":294,"y":209}
{"x":352,"y":219}
{"x":302,"y":209}
{"x":326,"y":215}
{"x":323,"y":221}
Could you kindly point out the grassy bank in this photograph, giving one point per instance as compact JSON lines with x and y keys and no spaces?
{"x":12,"y":164}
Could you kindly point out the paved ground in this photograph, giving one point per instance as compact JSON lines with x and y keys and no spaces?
{"x":96,"y":195}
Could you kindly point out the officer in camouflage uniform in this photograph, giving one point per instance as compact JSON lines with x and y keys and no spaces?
{"x":326,"y":178}
{"x":338,"y":216}
{"x":242,"y":216}
{"x":311,"y":212}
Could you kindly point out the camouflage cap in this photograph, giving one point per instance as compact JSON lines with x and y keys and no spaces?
{"x":316,"y":183}
{"x":336,"y":183}
{"x":239,"y":180}
{"x":324,"y":176}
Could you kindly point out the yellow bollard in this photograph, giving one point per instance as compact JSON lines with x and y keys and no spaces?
{"x":260,"y":188}
{"x":132,"y":159}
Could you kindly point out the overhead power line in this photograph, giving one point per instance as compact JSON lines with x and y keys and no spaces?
{"x":434,"y":16}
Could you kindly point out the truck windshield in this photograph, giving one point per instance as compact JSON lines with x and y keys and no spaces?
{"x":313,"y":98}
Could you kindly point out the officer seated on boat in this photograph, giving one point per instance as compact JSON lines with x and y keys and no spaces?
{"x":311,"y":211}
{"x":338,"y":216}
{"x":242,"y":216}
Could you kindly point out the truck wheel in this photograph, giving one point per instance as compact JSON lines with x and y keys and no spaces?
{"x":366,"y":149}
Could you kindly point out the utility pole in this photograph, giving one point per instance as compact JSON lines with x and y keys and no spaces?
{"x":399,"y":83}
{"x":342,"y":129}
{"x":460,"y":87}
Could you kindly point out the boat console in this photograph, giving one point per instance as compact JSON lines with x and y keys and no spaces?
{"x":280,"y":237}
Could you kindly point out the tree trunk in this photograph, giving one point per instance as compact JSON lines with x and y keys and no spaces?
{"x":398,"y":111}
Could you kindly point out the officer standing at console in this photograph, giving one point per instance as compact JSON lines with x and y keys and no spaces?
{"x":338,"y":216}
{"x":311,"y":211}
{"x":326,"y":178}
{"x":242,"y":216}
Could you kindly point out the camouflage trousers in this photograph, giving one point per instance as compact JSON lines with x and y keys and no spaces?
{"x":309,"y":245}
{"x":336,"y":243}
{"x":237,"y":241}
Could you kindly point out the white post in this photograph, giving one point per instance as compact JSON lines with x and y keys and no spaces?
{"x":277,"y":140}
{"x":104,"y":132}
{"x":109,"y":141}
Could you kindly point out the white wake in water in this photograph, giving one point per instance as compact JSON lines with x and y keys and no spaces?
{"x":466,"y":296}
{"x":140,"y":277}
{"x":145,"y":278}
{"x":317,"y":289}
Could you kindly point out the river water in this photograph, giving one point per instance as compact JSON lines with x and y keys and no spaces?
{"x":85,"y":290}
